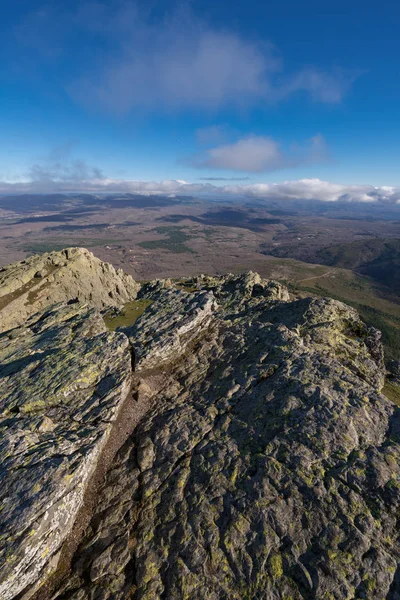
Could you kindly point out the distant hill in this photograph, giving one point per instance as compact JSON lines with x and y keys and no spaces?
{"x":376,"y":258}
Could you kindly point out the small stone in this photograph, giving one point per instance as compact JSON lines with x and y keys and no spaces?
{"x":46,"y":424}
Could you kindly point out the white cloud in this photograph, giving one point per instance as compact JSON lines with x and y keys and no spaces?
{"x":225,"y":178}
{"x":328,"y":87}
{"x":252,"y":154}
{"x":259,"y":154}
{"x":303,"y":189}
{"x":175,"y":62}
{"x":214,"y":134}
{"x":316,"y":189}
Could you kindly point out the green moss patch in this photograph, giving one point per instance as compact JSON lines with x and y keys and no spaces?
{"x":129,"y":314}
{"x":276,"y":567}
{"x":186,"y":287}
{"x":392,"y":392}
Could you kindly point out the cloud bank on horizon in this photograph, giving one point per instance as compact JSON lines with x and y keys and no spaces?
{"x":59,"y":171}
{"x":68,"y":180}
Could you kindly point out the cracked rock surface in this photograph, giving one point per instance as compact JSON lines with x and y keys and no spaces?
{"x":34,"y":284}
{"x":257,"y":457}
{"x":268,"y":466}
{"x":63,"y":380}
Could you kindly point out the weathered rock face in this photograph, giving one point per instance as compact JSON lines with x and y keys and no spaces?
{"x":266,"y":463}
{"x":36,"y":283}
{"x":63,"y":381}
{"x":172,"y":322}
{"x":267,"y":468}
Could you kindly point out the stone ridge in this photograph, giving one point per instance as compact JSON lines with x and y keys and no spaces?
{"x":34,"y":284}
{"x":263,"y":461}
{"x":268,"y":468}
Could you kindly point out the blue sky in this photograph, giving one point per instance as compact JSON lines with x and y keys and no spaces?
{"x":246,"y":93}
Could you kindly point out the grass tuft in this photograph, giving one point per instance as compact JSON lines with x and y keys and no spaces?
{"x":129,"y":314}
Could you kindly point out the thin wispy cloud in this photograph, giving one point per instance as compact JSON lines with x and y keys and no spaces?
{"x":175,"y":62}
{"x":322,"y":86}
{"x":224,"y":178}
{"x":211,"y":135}
{"x":61,"y":167}
{"x":73,"y":171}
{"x":260,"y":154}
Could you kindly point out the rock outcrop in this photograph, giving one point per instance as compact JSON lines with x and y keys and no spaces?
{"x":63,"y":383}
{"x":263,"y":460}
{"x":36,"y":283}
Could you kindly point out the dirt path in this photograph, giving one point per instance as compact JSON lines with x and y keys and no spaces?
{"x":332,"y":272}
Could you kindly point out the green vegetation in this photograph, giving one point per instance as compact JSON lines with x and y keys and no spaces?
{"x":387,"y":324}
{"x":377,"y":258}
{"x":40,"y":247}
{"x":186,"y":286}
{"x":129,"y":314}
{"x":360,"y":252}
{"x":174,"y":243}
{"x":210,"y":233}
{"x":276,"y":566}
{"x":284,"y":269}
{"x":392,"y":392}
{"x":171,"y":230}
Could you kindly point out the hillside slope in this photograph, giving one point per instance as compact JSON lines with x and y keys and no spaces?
{"x":376,"y":258}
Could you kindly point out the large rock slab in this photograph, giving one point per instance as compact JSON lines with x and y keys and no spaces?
{"x":170,"y":324}
{"x":63,"y":383}
{"x":32,"y":285}
{"x":269,"y":467}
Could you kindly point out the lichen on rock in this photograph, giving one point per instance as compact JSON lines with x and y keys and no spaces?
{"x":34,"y":284}
{"x":268,"y":467}
{"x":264,"y":464}
{"x":63,"y":380}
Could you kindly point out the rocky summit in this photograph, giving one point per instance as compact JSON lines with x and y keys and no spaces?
{"x":212,"y":438}
{"x":41,"y":280}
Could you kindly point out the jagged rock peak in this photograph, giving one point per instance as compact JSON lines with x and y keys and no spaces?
{"x":33,"y":284}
